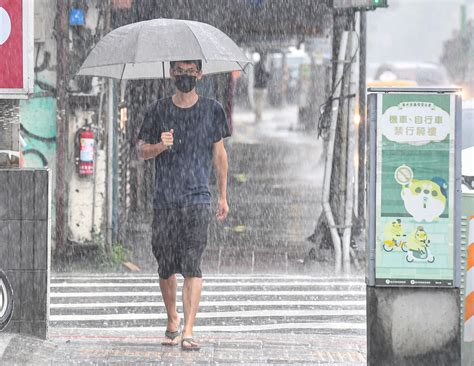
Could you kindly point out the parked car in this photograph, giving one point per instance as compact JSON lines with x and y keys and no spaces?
{"x":422,"y":73}
{"x":468,"y":146}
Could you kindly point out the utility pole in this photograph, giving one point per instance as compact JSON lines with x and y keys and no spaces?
{"x":61,"y":33}
{"x":363,"y":118}
{"x":351,"y":144}
{"x":110,"y":147}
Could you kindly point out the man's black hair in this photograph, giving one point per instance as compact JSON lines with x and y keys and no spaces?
{"x":198,"y":63}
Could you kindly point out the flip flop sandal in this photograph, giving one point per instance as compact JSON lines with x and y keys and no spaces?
{"x":172,"y":336}
{"x":193,"y":345}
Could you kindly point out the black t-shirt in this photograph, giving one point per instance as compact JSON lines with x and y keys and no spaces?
{"x":182,"y":173}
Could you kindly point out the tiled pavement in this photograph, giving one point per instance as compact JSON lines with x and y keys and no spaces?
{"x":299,"y":320}
{"x":74,"y":347}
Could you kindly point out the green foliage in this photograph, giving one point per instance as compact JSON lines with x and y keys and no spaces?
{"x":119,"y":253}
{"x":109,"y":257}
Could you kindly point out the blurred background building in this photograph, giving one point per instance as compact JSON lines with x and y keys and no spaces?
{"x":108,"y":192}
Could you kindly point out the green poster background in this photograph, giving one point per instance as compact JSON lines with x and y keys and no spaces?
{"x":427,"y":161}
{"x":442,"y":101}
{"x":397,"y":257}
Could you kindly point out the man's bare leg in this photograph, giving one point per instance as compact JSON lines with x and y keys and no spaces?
{"x":191,"y":296}
{"x":168,"y":291}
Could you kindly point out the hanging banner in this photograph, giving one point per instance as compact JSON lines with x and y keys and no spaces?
{"x":16,"y":48}
{"x":415,"y":190}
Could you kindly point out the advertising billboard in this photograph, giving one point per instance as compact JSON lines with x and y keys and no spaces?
{"x":16,"y":48}
{"x":415,"y":191}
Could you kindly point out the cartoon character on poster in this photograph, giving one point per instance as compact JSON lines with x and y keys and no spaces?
{"x":418,"y":246}
{"x":394,"y":236}
{"x":425,"y":200}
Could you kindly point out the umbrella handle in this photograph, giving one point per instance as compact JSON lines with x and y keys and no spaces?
{"x":164,"y":79}
{"x":170,"y":147}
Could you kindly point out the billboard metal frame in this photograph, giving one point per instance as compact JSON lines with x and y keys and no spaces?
{"x":372,"y":99}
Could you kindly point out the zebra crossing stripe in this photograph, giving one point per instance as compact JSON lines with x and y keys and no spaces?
{"x":267,"y":303}
{"x":220,"y":328}
{"x":206,"y":284}
{"x":260,"y":327}
{"x":204,"y":304}
{"x":209,"y":293}
{"x":210,"y":315}
{"x":206,"y":277}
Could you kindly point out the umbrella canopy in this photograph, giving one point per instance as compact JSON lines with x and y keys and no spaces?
{"x":143,"y":50}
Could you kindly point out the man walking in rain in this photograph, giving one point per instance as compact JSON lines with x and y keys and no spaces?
{"x":184,"y":134}
{"x":260,"y":84}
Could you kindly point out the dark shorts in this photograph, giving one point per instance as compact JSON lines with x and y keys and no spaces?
{"x":179,"y":239}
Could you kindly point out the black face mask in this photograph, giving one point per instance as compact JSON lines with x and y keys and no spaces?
{"x":185,"y":83}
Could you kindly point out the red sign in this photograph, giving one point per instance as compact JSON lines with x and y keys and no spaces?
{"x":122,"y":4}
{"x":11,"y":44}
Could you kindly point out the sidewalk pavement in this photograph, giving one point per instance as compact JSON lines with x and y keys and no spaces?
{"x":69,"y":346}
{"x":82,"y":347}
{"x":277,"y":125}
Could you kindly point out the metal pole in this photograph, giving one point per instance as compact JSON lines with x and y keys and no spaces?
{"x":353,"y":80}
{"x":110,"y":142}
{"x":61,"y":119}
{"x":363,"y":117}
{"x":110,"y":157}
{"x":164,"y":81}
{"x":94,"y":187}
{"x":330,"y":155}
{"x":342,"y":139}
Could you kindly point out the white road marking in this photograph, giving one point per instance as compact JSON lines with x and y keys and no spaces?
{"x":291,"y":326}
{"x":206,"y":284}
{"x":210,"y":277}
{"x":246,"y":305}
{"x":210,"y":293}
{"x":214,"y":328}
{"x":209,"y":315}
{"x":203,"y":304}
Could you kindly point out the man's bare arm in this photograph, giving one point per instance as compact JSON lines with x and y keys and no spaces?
{"x":150,"y":151}
{"x":219,"y":158}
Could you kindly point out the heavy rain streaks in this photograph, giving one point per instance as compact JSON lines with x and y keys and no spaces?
{"x":113,"y":169}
